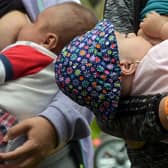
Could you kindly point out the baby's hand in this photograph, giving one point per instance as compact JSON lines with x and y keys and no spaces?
{"x":150,"y":39}
{"x":152,"y":24}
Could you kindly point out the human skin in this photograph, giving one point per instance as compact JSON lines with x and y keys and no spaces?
{"x":8,"y":35}
{"x":37,"y":129}
{"x":128,"y":46}
{"x":154,"y":28}
{"x":32,"y":151}
{"x":31,"y":126}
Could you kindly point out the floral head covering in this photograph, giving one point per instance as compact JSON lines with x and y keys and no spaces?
{"x":87,"y":70}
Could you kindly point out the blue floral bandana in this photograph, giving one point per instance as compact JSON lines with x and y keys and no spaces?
{"x":88,"y":71}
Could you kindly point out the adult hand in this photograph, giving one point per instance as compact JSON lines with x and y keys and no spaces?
{"x":41,"y":141}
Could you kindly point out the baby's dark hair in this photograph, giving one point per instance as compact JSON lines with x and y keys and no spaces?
{"x":73,"y":19}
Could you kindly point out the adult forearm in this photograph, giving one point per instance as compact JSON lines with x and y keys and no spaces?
{"x":68,"y":118}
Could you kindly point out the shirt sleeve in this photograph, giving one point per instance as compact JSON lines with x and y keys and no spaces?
{"x":68,"y":118}
{"x":20,"y":60}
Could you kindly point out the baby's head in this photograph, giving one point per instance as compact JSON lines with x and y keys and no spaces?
{"x":56,"y":26}
{"x":90,"y":72}
{"x":131,"y":51}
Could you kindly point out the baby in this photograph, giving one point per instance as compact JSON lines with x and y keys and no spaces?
{"x":99,"y":67}
{"x":26,"y":67}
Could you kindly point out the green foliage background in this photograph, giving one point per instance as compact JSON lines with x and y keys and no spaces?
{"x":98,"y":9}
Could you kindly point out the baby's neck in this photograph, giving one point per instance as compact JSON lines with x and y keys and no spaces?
{"x":126,"y":85}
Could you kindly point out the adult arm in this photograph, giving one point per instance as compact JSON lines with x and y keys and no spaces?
{"x":68,"y":118}
{"x":52,"y":129}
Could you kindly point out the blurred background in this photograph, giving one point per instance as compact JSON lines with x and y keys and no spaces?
{"x":96,"y":5}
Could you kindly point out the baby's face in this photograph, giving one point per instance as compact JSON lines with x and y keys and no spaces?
{"x":133,"y":47}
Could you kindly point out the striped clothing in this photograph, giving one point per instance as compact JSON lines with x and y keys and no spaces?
{"x":25,"y":90}
{"x":26,"y":72}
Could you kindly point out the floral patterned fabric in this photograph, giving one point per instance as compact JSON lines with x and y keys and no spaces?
{"x":88,"y":70}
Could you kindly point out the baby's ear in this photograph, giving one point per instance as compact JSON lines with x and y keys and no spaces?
{"x":50,"y":41}
{"x":128,"y":68}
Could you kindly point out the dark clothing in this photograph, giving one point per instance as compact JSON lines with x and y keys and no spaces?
{"x":137,"y":119}
{"x":121,"y":13}
{"x":124,"y":14}
{"x":138,"y":6}
{"x":145,"y":126}
{"x":9,"y":5}
{"x":151,"y":155}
